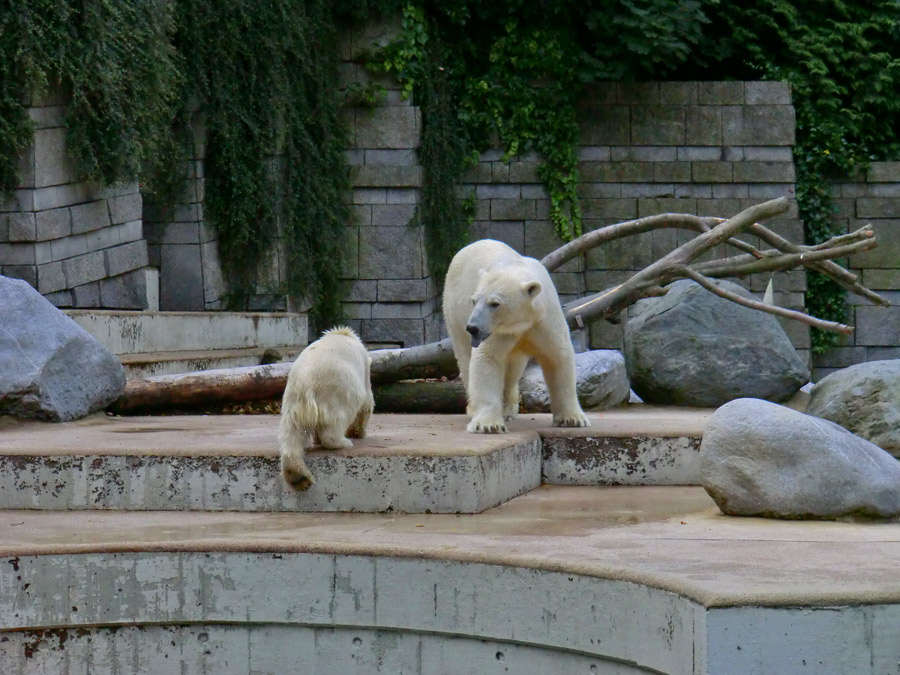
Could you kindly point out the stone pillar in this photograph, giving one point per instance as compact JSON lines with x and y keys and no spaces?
{"x":78,"y":244}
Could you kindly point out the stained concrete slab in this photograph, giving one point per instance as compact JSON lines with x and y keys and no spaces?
{"x":410,"y":463}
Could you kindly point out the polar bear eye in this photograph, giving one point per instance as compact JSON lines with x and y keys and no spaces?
{"x":493,"y":304}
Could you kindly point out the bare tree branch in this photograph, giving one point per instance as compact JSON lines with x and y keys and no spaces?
{"x":709,"y":285}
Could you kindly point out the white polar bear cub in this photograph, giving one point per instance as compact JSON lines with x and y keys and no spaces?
{"x":502,"y":308}
{"x":328,"y":395}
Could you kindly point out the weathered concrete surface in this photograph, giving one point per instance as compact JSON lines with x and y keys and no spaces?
{"x":169,"y":363}
{"x":411,"y":463}
{"x":650,"y":578}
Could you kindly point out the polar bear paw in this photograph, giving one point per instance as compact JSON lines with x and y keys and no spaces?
{"x":576,"y":420}
{"x":486,"y":426}
{"x":297,"y":475}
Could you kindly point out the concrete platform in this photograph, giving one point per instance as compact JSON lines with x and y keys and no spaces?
{"x":409,"y":463}
{"x":561,"y":580}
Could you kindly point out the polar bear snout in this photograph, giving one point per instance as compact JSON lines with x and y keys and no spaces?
{"x":478,"y":334}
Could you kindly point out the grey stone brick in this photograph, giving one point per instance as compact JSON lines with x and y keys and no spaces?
{"x":730,"y":191}
{"x":720,"y":93}
{"x":386,"y":176}
{"x":492,"y":154}
{"x":768,"y":154}
{"x":877,"y":326}
{"x":125,"y":258}
{"x":403,"y":291}
{"x":361,"y":214}
{"x":718,"y":208}
{"x":672,"y":172}
{"x":21,"y":226}
{"x":180,"y":278}
{"x":399,"y":310}
{"x":498,"y":192}
{"x":61,"y":299}
{"x":126,"y":208}
{"x":693,"y":191}
{"x":593,"y":153}
{"x":840,"y":357}
{"x":21,"y":200}
{"x":534,"y":192}
{"x":509,"y":232}
{"x":882,"y":279}
{"x":87,"y":295}
{"x":712,"y":172}
{"x":652,"y":207}
{"x":17,"y":254}
{"x":524,"y":172}
{"x":628,"y":253}
{"x":599,"y":190}
{"x":758,"y":125}
{"x":884,"y":172}
{"x":887,"y":233}
{"x":355,"y":157}
{"x":512,"y":209}
{"x":891,"y":190}
{"x":767,"y":93}
{"x":882,"y":353}
{"x":4,"y":228}
{"x":764,"y":191}
{"x":50,"y":278}
{"x":703,"y":126}
{"x":365,"y":290}
{"x":483,"y":209}
{"x":878,"y":208}
{"x":405,"y":332}
{"x":606,"y":125}
{"x":678,"y":93}
{"x":127,"y":291}
{"x":541,"y":239}
{"x":388,"y":127}
{"x":600,"y":93}
{"x":132,"y":231}
{"x":617,"y":172}
{"x":356,"y":310}
{"x":102,"y":238}
{"x":646,"y":93}
{"x":623,"y":209}
{"x":181,"y":233}
{"x":404,"y":157}
{"x":393,"y":214}
{"x":599,"y":280}
{"x":47,"y":116}
{"x":764,"y":172}
{"x":51,"y":162}
{"x":83,"y":269}
{"x":401,"y":196}
{"x":369,"y":196}
{"x":89,"y":216}
{"x":568,"y":283}
{"x":27,"y":273}
{"x":390,"y":253}
{"x":644,"y":190}
{"x":642,"y":153}
{"x":499,"y":172}
{"x":68,"y":247}
{"x":658,"y":125}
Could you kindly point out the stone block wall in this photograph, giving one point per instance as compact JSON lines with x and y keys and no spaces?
{"x":704,"y":148}
{"x":78,"y":244}
{"x":871,"y":198}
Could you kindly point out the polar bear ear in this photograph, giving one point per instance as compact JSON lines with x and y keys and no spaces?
{"x":532,"y":288}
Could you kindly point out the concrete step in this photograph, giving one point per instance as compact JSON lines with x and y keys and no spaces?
{"x":619,"y":581}
{"x":408,"y":463}
{"x":164,"y":343}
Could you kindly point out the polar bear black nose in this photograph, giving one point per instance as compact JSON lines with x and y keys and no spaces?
{"x":473,"y":330}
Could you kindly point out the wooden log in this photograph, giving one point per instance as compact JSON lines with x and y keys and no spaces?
{"x":439,"y":398}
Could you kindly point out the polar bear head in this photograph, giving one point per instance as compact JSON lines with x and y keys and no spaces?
{"x":503,"y":303}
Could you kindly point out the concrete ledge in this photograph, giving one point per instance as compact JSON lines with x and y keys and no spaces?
{"x":624,"y":580}
{"x":409,"y":463}
{"x":171,"y":363}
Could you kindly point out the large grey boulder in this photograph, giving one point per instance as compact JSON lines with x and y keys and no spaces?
{"x":693,"y":348}
{"x":50,"y":368}
{"x":864,"y":399}
{"x":762,"y":459}
{"x":600,"y":379}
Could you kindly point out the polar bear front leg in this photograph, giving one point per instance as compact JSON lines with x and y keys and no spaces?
{"x":486,"y":389}
{"x":514,"y":370}
{"x":559,"y":374}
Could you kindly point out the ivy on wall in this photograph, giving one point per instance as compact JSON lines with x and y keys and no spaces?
{"x":262,"y":76}
{"x":508,"y":73}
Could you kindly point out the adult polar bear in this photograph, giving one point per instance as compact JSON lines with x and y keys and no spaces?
{"x":501,"y":308}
